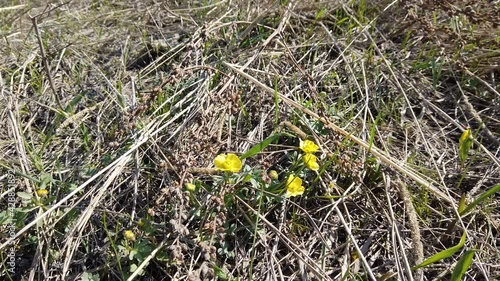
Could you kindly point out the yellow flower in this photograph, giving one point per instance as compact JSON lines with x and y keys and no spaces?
{"x":311,"y":161}
{"x":229,"y":162}
{"x":465,"y":136}
{"x":308,"y":146}
{"x":129,"y":235}
{"x":273,"y":174}
{"x":464,"y":145}
{"x":42,"y":192}
{"x":332,"y":185}
{"x":190,"y":186}
{"x":294,"y":186}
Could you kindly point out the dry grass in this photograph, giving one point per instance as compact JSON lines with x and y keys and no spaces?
{"x":113,"y":106}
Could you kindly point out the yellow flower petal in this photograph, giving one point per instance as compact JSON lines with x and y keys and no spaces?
{"x":42,"y":192}
{"x":129,"y":235}
{"x":190,"y":186}
{"x":233,"y":163}
{"x":230,"y":162}
{"x":294,"y":186}
{"x":465,"y":135}
{"x":308,"y":146}
{"x":311,"y":162}
{"x":220,"y":161}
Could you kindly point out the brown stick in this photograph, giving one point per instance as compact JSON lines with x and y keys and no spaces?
{"x":44,"y":61}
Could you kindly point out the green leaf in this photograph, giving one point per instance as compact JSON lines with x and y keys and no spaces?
{"x":330,"y":196}
{"x":45,"y":179}
{"x":443,"y":254}
{"x":461,"y":205}
{"x":5,"y":218}
{"x":73,"y":103}
{"x":320,"y":14}
{"x":133,"y":268}
{"x":40,"y":222}
{"x":90,"y":277}
{"x":219,"y":272}
{"x":480,"y":199}
{"x":261,"y":146}
{"x":462,"y":265}
{"x":25,"y":195}
{"x":162,"y":255}
{"x":342,"y":20}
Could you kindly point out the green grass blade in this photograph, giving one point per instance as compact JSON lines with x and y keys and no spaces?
{"x":480,"y":199}
{"x":71,"y":106}
{"x":461,"y":205}
{"x":462,"y":265}
{"x":443,"y":254}
{"x":261,"y":146}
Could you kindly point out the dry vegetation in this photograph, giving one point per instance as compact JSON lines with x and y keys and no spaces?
{"x":113,"y":106}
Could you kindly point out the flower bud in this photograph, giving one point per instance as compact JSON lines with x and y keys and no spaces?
{"x":273,"y":174}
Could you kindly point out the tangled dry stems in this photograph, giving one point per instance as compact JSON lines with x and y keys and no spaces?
{"x":150,"y":94}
